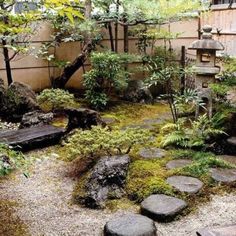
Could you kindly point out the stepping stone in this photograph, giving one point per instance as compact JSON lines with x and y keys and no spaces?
{"x":108,"y":120}
{"x":232,"y":141}
{"x":161,"y":207}
{"x":219,"y":231}
{"x":223,"y":175}
{"x":230,"y":159}
{"x":139,"y":126}
{"x":178,"y":163}
{"x":130,"y":225}
{"x":156,"y":121}
{"x":185,"y":184}
{"x":152,"y":153}
{"x":34,"y":137}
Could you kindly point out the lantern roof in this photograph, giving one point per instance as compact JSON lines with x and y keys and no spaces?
{"x":207,"y":42}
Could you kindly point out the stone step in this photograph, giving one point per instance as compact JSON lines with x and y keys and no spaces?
{"x":232,"y":141}
{"x":34,"y":137}
{"x":228,"y":158}
{"x":185,"y":184}
{"x":223,"y":175}
{"x":152,"y":153}
{"x":218,"y":231}
{"x":161,"y":207}
{"x":178,"y":163}
{"x":130,"y":225}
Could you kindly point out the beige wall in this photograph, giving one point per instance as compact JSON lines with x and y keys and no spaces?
{"x":34,"y":72}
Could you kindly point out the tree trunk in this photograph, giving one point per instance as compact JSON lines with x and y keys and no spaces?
{"x":126,"y":38}
{"x":111,"y":37}
{"x":69,"y":70}
{"x":7,"y":63}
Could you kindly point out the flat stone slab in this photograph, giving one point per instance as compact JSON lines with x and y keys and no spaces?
{"x":228,"y":158}
{"x":185,"y":184}
{"x":139,"y":126}
{"x":108,"y":120}
{"x":156,"y":121}
{"x":130,"y":225}
{"x":232,"y":141}
{"x":223,"y":175}
{"x":161,"y":207}
{"x":218,"y":231}
{"x":152,"y":153}
{"x":178,"y":163}
{"x":33,"y":137}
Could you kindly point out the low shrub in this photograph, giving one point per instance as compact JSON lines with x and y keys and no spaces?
{"x":52,"y":99}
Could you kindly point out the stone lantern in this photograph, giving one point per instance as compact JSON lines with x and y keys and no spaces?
{"x":206,"y":68}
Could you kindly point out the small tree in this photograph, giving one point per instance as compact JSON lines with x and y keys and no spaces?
{"x":16,"y":30}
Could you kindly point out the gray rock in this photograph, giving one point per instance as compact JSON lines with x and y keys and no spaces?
{"x":185,"y":184}
{"x":82,"y":118}
{"x":130,"y":225}
{"x":135,"y":92}
{"x":108,"y":120}
{"x":223,"y":175}
{"x":178,"y":163}
{"x":106,"y":181}
{"x":36,"y":118}
{"x":228,"y":158}
{"x":218,"y":231}
{"x":162,"y":207}
{"x":18,"y":99}
{"x":152,"y":153}
{"x":139,"y":126}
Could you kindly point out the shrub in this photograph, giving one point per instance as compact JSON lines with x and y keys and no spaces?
{"x":51,"y":99}
{"x":108,"y":73}
{"x":101,"y":141}
{"x":10,"y":160}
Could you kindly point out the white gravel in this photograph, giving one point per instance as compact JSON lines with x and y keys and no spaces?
{"x":45,"y":206}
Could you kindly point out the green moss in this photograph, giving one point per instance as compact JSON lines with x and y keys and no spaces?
{"x":10,"y":224}
{"x":121,"y":204}
{"x":147,"y":177}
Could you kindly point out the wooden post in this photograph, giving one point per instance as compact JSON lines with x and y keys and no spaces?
{"x":183,"y":56}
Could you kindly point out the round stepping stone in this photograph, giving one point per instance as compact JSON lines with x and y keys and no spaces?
{"x":161,"y":207}
{"x":140,"y":126}
{"x":130,"y":225}
{"x":178,"y":163}
{"x":223,"y":175}
{"x":218,"y":231}
{"x":185,"y":184}
{"x":152,"y":153}
{"x":108,"y":120}
{"x":230,"y":159}
{"x":156,"y":121}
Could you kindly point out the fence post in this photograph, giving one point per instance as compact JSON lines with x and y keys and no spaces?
{"x":182,"y":62}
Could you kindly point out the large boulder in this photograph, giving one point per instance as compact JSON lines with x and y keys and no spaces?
{"x":82,"y":118}
{"x":135,"y":92}
{"x":106,"y":181}
{"x":18,"y":99}
{"x":36,"y":118}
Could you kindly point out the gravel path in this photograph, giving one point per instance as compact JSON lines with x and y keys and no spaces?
{"x":45,"y":207}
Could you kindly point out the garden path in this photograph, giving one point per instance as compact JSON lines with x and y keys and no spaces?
{"x":44,"y":205}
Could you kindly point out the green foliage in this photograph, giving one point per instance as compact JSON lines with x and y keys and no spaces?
{"x":51,"y":99}
{"x":195,"y":134}
{"x":101,"y":141}
{"x":108,"y":73}
{"x":10,"y":160}
{"x":145,"y":178}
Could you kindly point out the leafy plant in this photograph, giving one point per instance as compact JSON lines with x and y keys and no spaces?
{"x":101,"y":141}
{"x":51,"y":99}
{"x":193,"y":134}
{"x":108,"y":73}
{"x":10,"y":160}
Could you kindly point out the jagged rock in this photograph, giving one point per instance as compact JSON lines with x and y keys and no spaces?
{"x":106,"y":181}
{"x":18,"y":99}
{"x":82,"y":118}
{"x":130,"y":225}
{"x":229,"y":230}
{"x":36,"y":118}
{"x":161,"y":207}
{"x":137,"y":93}
{"x":223,"y":175}
{"x":178,"y":163}
{"x":185,"y":184}
{"x":152,"y":153}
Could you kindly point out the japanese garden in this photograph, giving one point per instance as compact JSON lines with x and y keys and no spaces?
{"x":117,"y":118}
